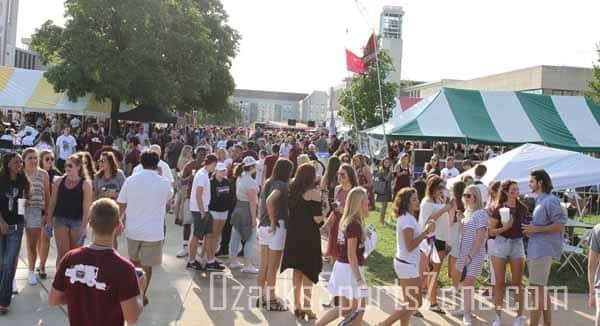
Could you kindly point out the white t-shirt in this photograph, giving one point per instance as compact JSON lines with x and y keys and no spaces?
{"x":407,"y":221}
{"x":201,"y":179}
{"x":260,"y":170}
{"x":146,"y":195}
{"x":166,"y":170}
{"x":442,"y":227}
{"x":449,"y":173}
{"x":75,"y":123}
{"x":66,"y":145}
{"x":483,"y":190}
{"x":284,"y":150}
{"x":44,"y":146}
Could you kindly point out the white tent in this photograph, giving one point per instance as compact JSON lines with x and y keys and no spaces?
{"x":566,"y":169}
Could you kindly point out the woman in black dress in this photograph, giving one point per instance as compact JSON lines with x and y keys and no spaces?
{"x":303,"y":243}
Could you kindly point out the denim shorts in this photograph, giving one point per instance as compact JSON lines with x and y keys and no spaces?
{"x":507,"y":248}
{"x":71,"y":224}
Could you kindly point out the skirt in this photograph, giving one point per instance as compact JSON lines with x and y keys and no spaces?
{"x":343,"y":284}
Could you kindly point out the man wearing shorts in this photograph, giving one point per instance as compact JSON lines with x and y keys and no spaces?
{"x":143,"y":200}
{"x":545,"y":234}
{"x":199,"y":202}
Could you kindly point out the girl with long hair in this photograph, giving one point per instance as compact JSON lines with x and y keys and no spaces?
{"x":508,"y":246}
{"x":47,"y":164}
{"x":272,"y":231}
{"x":45,"y":142}
{"x":330,"y":181}
{"x":493,"y":194}
{"x":458,"y":189}
{"x":434,"y":166}
{"x":88,"y":163}
{"x":347,"y":277}
{"x":303,"y":243}
{"x":365,"y":178}
{"x":109,"y":178}
{"x":14,"y":186}
{"x":37,"y":205}
{"x":408,"y":239}
{"x":401,"y":173}
{"x":473,"y":231}
{"x":69,"y":205}
{"x":384,"y":174}
{"x":433,"y":206}
{"x":347,"y":181}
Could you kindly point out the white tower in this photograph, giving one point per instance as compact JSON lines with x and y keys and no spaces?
{"x":390,"y":32}
{"x":9,"y":11}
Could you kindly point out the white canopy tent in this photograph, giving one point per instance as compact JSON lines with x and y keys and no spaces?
{"x":566,"y":169}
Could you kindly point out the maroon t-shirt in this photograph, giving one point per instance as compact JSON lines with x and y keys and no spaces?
{"x":95,"y":282}
{"x":353,"y":230}
{"x":188,"y":169}
{"x":518,"y":214}
{"x":133,"y":158}
{"x":93,"y":142}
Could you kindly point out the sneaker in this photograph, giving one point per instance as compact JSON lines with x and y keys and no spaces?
{"x":349,"y":318}
{"x":196,"y":265}
{"x":15,"y":290}
{"x":236,"y":265}
{"x":496,"y":321}
{"x":31,"y":278}
{"x":250,"y":269}
{"x":182,"y":253}
{"x":418,"y":314}
{"x":467,"y":320}
{"x":215,"y":266}
{"x":520,"y":321}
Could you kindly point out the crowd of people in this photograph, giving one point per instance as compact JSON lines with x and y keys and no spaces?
{"x":234,"y":190}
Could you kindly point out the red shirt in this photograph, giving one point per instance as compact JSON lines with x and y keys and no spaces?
{"x":95,"y":282}
{"x":353,"y":230}
{"x":93,"y":142}
{"x":133,"y":158}
{"x":188,"y":169}
{"x":270,"y":164}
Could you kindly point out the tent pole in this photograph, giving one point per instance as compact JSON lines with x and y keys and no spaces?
{"x":466,"y":148}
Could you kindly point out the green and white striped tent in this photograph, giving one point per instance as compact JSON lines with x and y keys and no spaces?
{"x":500,"y":118}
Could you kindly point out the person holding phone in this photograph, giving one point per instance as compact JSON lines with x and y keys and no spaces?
{"x":99,"y":286}
{"x":14,"y":189}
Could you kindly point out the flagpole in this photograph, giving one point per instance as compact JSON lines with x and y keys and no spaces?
{"x":354,"y":114}
{"x":380,"y":94}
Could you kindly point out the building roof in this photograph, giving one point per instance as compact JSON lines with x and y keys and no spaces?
{"x":281,"y":96}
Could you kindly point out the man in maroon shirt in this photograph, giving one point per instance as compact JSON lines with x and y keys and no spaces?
{"x":99,"y":286}
{"x":270,"y":163}
{"x":132,"y":159}
{"x":93,"y":139}
{"x":187,"y":177}
{"x":108,"y":147}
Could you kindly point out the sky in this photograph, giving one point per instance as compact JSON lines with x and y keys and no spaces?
{"x":298,"y":46}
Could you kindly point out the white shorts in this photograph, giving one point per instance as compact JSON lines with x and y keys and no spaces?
{"x":342,"y":282}
{"x":405,"y":271}
{"x":187,"y":213}
{"x":275,"y":241}
{"x":219,"y":216}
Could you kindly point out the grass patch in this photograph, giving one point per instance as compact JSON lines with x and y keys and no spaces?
{"x":380,"y":264}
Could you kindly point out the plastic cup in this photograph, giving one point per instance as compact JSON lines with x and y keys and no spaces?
{"x":21,"y":206}
{"x":504,"y":214}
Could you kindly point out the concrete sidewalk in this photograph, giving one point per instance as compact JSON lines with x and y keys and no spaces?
{"x":182,"y":297}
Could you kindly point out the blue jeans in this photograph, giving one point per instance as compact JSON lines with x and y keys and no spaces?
{"x":10,"y":244}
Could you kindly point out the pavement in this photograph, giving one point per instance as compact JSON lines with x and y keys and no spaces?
{"x":183,"y":297}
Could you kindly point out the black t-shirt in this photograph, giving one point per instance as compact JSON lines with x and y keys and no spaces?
{"x":10,"y":192}
{"x":173,"y":150}
{"x":220,"y":195}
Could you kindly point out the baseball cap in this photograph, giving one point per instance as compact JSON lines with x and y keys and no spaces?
{"x":221,"y":167}
{"x":249,"y":161}
{"x":210,"y":159}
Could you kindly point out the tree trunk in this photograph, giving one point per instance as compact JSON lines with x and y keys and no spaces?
{"x":114,"y":113}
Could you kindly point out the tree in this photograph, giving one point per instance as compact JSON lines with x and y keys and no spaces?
{"x":174,"y":54}
{"x":594,"y":84}
{"x":365,"y":90}
{"x":230,"y":116}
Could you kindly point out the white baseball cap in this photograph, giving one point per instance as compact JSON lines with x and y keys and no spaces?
{"x":248,"y":161}
{"x":221,"y":167}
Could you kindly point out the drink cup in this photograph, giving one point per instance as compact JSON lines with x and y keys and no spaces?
{"x":21,"y":206}
{"x":504,"y":214}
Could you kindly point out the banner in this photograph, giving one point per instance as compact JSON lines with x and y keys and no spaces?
{"x":378,"y":148}
{"x":354,"y":63}
{"x":370,"y":54}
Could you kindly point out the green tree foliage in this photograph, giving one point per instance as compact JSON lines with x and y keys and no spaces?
{"x":168,"y":54}
{"x":229,"y":116}
{"x":594,"y":84}
{"x":365,"y":89}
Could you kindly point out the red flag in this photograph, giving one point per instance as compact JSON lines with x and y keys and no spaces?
{"x":354,"y":63}
{"x":370,"y":48}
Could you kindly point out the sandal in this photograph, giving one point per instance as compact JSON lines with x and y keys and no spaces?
{"x":275,"y":305}
{"x":260,"y":302}
{"x":437,"y":309}
{"x":309,"y":314}
{"x":42,"y":273}
{"x":3,"y":311}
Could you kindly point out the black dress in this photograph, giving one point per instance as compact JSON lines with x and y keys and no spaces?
{"x":303,"y":240}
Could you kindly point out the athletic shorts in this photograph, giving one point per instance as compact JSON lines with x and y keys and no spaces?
{"x":539,"y":270}
{"x":405,"y":270}
{"x":202,"y":226}
{"x":148,"y":253}
{"x":219,"y":216}
{"x":276,"y":240}
{"x":188,"y":219}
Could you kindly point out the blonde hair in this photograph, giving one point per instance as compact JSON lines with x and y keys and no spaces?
{"x":302,"y":158}
{"x":474,"y":191}
{"x":185,"y":156}
{"x":353,"y":207}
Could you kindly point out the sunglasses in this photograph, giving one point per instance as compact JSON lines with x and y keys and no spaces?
{"x":467,"y":196}
{"x":101,"y":160}
{"x":69,"y":165}
{"x":49,"y":159}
